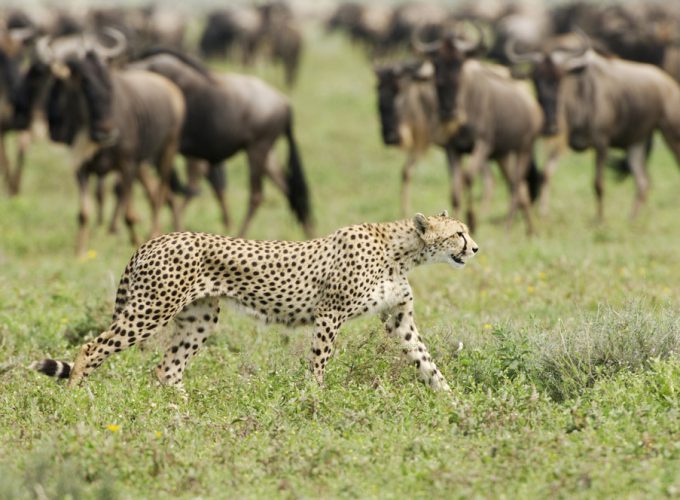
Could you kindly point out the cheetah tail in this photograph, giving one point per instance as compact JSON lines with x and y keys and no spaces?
{"x":52,"y":368}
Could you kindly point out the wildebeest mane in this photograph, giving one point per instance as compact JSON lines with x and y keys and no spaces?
{"x":186,"y":59}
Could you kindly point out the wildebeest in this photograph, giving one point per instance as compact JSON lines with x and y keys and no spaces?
{"x":12,"y":47}
{"x":269,"y":27}
{"x":229,"y":113}
{"x":498,"y":115}
{"x":407,"y":104}
{"x":605,"y":103}
{"x":114,"y":120}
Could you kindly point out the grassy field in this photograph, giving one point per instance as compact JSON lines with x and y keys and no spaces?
{"x":568,"y":386}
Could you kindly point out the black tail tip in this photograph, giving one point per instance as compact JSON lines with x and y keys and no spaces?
{"x":535,"y":179}
{"x":52,"y":368}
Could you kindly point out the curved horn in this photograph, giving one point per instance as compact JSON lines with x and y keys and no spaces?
{"x":118,"y":48}
{"x":20,"y":35}
{"x":422,"y":47}
{"x":572,"y":57}
{"x":466,"y":46}
{"x":515,"y":57}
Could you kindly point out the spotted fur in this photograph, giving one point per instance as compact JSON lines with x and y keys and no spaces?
{"x":325,"y":282}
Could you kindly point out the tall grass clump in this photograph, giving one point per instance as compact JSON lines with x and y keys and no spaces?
{"x":571,"y":358}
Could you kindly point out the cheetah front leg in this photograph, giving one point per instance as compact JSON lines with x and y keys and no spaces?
{"x":400,"y":323}
{"x":326,"y":327}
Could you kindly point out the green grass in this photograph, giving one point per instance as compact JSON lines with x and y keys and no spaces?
{"x":568,"y":385}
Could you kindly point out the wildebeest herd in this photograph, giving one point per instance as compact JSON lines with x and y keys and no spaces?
{"x":124,"y":90}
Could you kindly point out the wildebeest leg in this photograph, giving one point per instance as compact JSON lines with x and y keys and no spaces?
{"x":217,"y":178}
{"x":275,"y":172}
{"x":82,"y":177}
{"x":99,"y":197}
{"x":127,"y":179}
{"x":195,"y":172}
{"x":636,"y":158}
{"x":257,"y":157}
{"x":406,"y":174}
{"x":456,"y":179}
{"x":600,"y":159}
{"x":552,"y":162}
{"x":520,"y":189}
{"x":118,"y":208}
{"x":487,"y":185}
{"x":480,"y":155}
{"x":23,"y":141}
{"x":4,"y":163}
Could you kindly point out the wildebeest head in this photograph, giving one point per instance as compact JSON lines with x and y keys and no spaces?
{"x":81,"y":94}
{"x":81,"y":97}
{"x":388,"y":89}
{"x":391,"y":82}
{"x":547,"y":70}
{"x":448,"y":56}
{"x":11,"y":49}
{"x":28,"y":93}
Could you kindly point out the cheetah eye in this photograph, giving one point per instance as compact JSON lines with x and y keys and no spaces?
{"x":459,"y":234}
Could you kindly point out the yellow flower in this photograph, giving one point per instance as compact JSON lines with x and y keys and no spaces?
{"x":91,"y":254}
{"x":487,"y":326}
{"x":530,"y":289}
{"x":159,"y":434}
{"x":541,"y":275}
{"x":113,"y":427}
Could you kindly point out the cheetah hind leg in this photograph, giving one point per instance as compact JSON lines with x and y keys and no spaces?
{"x":193,"y":325}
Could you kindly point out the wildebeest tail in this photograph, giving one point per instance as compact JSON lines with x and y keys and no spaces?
{"x":298,"y":194}
{"x":52,"y":368}
{"x":534,"y":180}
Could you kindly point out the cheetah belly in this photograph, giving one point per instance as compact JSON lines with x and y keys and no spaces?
{"x":385,"y":295}
{"x":275,"y":304}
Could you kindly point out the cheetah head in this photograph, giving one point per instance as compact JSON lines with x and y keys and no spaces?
{"x":446,"y":239}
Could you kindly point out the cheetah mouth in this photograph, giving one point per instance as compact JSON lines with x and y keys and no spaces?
{"x":458,"y":260}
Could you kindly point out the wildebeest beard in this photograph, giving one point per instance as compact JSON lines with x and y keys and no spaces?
{"x":9,"y":78}
{"x":34,"y":80}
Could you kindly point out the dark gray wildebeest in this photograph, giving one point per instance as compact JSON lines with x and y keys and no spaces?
{"x":408,"y":109}
{"x":114,"y":120}
{"x":407,"y":104}
{"x":269,"y":27}
{"x":12,"y":51}
{"x":608,"y":103}
{"x":498,"y":115}
{"x":229,"y":113}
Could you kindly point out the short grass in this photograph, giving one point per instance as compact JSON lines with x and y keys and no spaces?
{"x":568,"y":386}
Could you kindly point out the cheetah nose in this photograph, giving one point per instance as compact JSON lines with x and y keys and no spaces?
{"x":475,"y":250}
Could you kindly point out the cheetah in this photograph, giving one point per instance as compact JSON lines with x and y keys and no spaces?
{"x":322,"y":282}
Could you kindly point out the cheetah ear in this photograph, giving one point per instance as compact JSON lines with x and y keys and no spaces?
{"x":445,"y":213}
{"x":421,"y":223}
